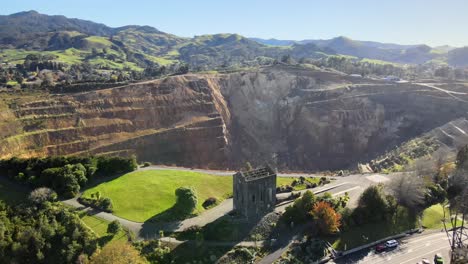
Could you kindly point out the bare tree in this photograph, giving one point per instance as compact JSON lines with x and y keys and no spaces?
{"x":408,"y":189}
{"x":423,"y":167}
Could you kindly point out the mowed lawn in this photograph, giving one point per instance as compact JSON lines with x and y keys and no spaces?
{"x":434,"y":215}
{"x":99,"y":226}
{"x":141,"y":195}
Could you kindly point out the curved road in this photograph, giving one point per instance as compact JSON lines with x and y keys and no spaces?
{"x":353,"y":185}
{"x":411,"y":250}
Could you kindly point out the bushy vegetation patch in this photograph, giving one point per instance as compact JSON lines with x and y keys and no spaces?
{"x":210,"y":202}
{"x":65,"y":175}
{"x":298,"y":184}
{"x":43,"y":233}
{"x":98,"y":202}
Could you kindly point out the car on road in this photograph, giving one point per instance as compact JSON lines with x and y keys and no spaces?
{"x":380,"y":248}
{"x":424,"y":261}
{"x":391,"y":244}
{"x":438,"y":259}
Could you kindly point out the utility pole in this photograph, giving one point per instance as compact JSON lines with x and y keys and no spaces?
{"x":458,"y":234}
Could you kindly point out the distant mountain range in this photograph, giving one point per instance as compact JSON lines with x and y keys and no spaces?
{"x":413,"y":54}
{"x":76,"y":40}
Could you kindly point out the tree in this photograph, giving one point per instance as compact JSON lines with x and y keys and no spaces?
{"x":286,"y":59}
{"x":326,"y":218}
{"x":106,"y":204}
{"x":301,"y":208}
{"x":408,"y":189}
{"x":41,"y":195}
{"x":114,"y":227}
{"x":462,"y":157}
{"x":372,"y":206}
{"x":435,"y":194}
{"x":248,"y":166}
{"x":117,"y":252}
{"x":186,"y":200}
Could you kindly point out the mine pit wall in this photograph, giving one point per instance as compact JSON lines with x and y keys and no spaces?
{"x":287,"y":119}
{"x":290,"y":118}
{"x":178,"y":120}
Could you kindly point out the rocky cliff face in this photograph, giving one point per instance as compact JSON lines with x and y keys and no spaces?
{"x":295,"y":118}
{"x":178,"y":120}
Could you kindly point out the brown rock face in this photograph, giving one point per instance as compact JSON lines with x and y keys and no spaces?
{"x":178,"y":120}
{"x":294,"y":118}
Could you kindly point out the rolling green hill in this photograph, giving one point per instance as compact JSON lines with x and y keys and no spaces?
{"x":135,"y":48}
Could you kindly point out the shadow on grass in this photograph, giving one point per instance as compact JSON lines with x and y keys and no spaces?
{"x":212,"y":241}
{"x":104,"y":240}
{"x":96,"y":180}
{"x":167,"y":221}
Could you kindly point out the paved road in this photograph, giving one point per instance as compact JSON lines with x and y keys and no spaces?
{"x":353,"y":184}
{"x":230,"y":173}
{"x":411,"y":250}
{"x":149,"y":230}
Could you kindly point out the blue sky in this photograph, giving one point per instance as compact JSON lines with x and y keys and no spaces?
{"x":434,"y":22}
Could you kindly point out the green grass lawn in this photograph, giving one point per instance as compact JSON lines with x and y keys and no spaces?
{"x":288,"y":181}
{"x":433,"y":216}
{"x":12,"y":193}
{"x":140,"y":195}
{"x":99,"y":226}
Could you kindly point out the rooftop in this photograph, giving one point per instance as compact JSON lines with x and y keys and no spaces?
{"x":257,"y":173}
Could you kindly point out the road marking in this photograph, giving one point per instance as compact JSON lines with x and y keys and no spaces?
{"x":426,"y":237}
{"x":347,"y":190}
{"x":426,"y":253}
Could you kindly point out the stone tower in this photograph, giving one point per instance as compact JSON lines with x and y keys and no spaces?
{"x":254,"y":192}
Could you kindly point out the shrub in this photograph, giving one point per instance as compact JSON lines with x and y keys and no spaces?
{"x":114,"y":227}
{"x":284,"y":188}
{"x":300,"y":210}
{"x":115,"y":165}
{"x":41,"y":195}
{"x":146,"y":164}
{"x":326,"y":218}
{"x":210,"y":202}
{"x":186,"y":200}
{"x":106,"y":204}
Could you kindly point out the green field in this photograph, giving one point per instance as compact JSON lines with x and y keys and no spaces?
{"x":99,"y":227}
{"x":288,"y":181}
{"x":141,"y":195}
{"x":433,"y":216}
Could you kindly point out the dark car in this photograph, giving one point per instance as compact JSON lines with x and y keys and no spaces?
{"x":380,"y":248}
{"x":438,"y":259}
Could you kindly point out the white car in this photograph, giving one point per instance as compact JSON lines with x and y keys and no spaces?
{"x":391,"y":243}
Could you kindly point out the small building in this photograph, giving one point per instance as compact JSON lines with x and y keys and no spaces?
{"x":254,"y":192}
